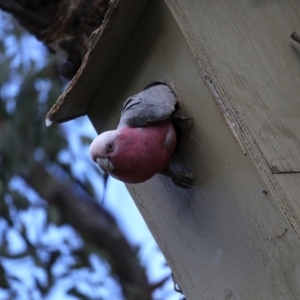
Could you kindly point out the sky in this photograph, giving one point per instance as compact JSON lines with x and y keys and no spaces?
{"x":117,"y":198}
{"x":119,"y":202}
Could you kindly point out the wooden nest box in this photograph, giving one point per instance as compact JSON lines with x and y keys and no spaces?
{"x":235,"y":234}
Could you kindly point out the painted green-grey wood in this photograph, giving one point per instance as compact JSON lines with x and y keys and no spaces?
{"x":224,"y":238}
{"x":106,"y":43}
{"x":246,"y":49}
{"x":252,"y":68}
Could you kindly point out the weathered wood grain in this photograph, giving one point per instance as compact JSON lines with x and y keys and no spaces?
{"x":106,"y":44}
{"x":225,"y":238}
{"x":251,"y":47}
{"x":246,"y":49}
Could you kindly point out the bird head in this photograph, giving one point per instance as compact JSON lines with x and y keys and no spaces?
{"x":102,"y":148}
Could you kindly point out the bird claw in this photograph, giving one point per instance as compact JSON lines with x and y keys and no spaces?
{"x":182,"y":180}
{"x":179,"y":118}
{"x":295,"y":37}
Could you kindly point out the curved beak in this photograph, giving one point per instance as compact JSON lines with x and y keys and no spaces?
{"x":105,"y":164}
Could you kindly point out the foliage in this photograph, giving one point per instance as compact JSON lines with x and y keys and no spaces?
{"x":41,"y":255}
{"x":39,"y":252}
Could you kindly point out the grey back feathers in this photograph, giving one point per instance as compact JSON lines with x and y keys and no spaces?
{"x":152,"y":105}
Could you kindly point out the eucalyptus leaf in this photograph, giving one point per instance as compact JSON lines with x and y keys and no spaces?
{"x":21,"y":202}
{"x":3,"y":280}
{"x":74,"y":292}
{"x":53,"y":258}
{"x":53,"y":216}
{"x":86,"y":140}
{"x":43,"y":289}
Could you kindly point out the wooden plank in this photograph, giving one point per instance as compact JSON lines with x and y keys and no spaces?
{"x":224,"y":238}
{"x":106,"y":43}
{"x":291,"y":186}
{"x":245,"y":50}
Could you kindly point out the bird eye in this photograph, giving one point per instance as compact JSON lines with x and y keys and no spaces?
{"x":110,"y":147}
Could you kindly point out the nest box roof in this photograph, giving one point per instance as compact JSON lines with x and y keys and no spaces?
{"x":106,"y":43}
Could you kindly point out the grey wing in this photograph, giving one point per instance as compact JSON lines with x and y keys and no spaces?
{"x":152,"y":105}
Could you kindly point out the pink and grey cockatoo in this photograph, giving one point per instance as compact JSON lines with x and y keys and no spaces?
{"x":145,"y":139}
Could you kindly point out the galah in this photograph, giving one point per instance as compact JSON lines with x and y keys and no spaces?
{"x":145,"y":139}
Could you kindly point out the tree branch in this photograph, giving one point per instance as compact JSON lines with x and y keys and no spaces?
{"x":20,"y":13}
{"x":97,"y":226}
